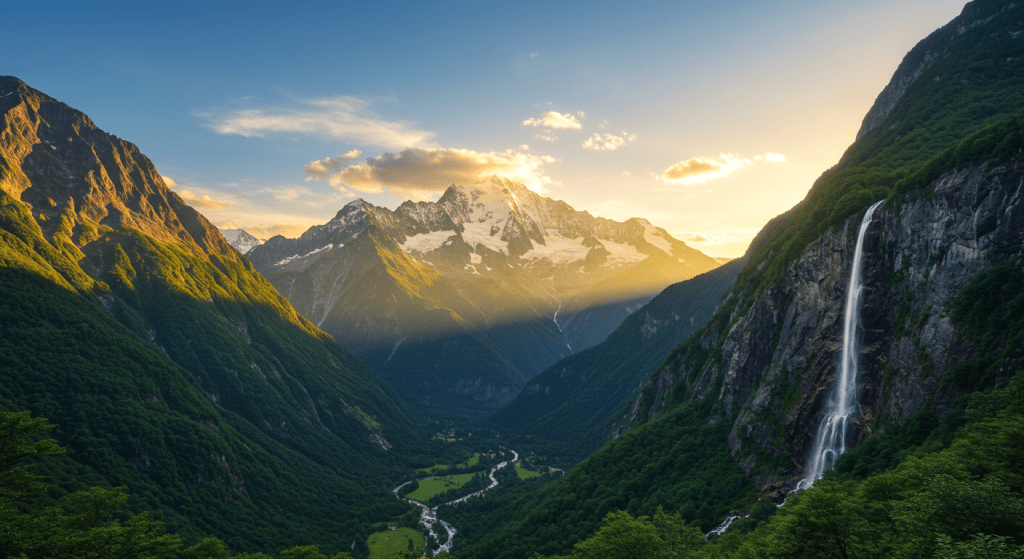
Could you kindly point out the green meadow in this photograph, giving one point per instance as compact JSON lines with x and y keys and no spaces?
{"x":430,"y":487}
{"x":388,"y":542}
{"x":523,"y":473}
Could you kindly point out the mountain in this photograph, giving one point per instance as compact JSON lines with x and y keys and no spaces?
{"x":732,"y":413}
{"x":565,"y":412}
{"x":459,"y":302}
{"x":169,"y":365}
{"x":240,"y":239}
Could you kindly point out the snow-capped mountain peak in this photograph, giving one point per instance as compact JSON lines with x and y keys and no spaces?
{"x":240,"y":239}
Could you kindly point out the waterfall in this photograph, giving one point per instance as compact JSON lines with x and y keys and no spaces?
{"x":830,"y":441}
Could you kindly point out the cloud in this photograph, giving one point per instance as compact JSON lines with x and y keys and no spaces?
{"x":197,"y":200}
{"x":534,"y":54}
{"x":607,"y":142}
{"x":203,"y":201}
{"x":347,"y":118}
{"x":700,"y":238}
{"x":324,"y":168}
{"x":547,"y":137}
{"x":524,"y":147}
{"x":771,"y":157}
{"x":702,"y":169}
{"x":554,"y":119}
{"x":419,"y":173}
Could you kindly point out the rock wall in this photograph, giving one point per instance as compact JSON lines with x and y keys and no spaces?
{"x":778,"y":358}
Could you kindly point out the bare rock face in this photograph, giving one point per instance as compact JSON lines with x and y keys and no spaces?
{"x":70,"y":173}
{"x":779,"y":358}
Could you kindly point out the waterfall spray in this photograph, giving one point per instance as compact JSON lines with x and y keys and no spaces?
{"x":830,"y":441}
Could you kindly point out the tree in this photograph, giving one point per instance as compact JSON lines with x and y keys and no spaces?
{"x":621,"y":537}
{"x":90,"y":523}
{"x":210,"y":548}
{"x":18,"y":447}
{"x":681,"y":541}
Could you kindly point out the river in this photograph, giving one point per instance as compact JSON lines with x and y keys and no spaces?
{"x":429,"y":519}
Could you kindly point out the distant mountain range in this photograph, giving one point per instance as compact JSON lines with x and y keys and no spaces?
{"x":459,"y":302}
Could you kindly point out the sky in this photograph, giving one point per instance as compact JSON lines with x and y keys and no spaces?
{"x":707,"y":118}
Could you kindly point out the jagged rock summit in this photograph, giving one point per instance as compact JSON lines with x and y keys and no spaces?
{"x":240,"y":239}
{"x":458,"y":302}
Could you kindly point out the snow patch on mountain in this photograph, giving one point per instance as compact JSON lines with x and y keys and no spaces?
{"x":311,"y":253}
{"x":487,"y":233}
{"x":558,"y":249}
{"x":426,"y":242}
{"x":621,"y":253}
{"x":653,"y":236}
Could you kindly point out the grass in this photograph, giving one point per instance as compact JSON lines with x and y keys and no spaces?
{"x":523,"y":473}
{"x":430,"y":487}
{"x":388,"y":542}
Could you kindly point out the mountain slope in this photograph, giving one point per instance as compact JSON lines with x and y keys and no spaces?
{"x":566,"y":410}
{"x":459,"y":302}
{"x":168,"y":363}
{"x":943,"y":270}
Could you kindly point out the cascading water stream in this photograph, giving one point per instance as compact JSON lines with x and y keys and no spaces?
{"x":830,"y":441}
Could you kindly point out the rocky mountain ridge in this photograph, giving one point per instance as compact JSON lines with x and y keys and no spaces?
{"x":491,"y":277}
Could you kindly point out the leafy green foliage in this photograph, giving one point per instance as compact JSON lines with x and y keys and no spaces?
{"x":677,"y":461}
{"x":18,"y":447}
{"x":991,"y":310}
{"x":624,"y":537}
{"x":955,"y":498}
{"x":86,"y":523}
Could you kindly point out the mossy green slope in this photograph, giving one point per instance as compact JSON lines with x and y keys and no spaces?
{"x":168,"y":363}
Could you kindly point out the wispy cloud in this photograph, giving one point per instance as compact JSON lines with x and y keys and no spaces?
{"x":554,"y":119}
{"x":420,"y":173}
{"x":345,"y":118}
{"x":702,"y":169}
{"x":197,"y":200}
{"x":608,"y":142}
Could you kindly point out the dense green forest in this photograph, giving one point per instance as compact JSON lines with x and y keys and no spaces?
{"x":170,"y":367}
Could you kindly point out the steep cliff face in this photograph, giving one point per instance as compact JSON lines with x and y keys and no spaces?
{"x":774,"y":367}
{"x":770,"y":355}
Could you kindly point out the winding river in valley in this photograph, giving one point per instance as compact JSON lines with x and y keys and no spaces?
{"x":429,"y":519}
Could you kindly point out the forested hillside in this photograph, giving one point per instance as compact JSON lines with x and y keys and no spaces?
{"x":168,"y":364}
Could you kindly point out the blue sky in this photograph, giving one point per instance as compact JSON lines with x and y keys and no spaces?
{"x":708,"y":118}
